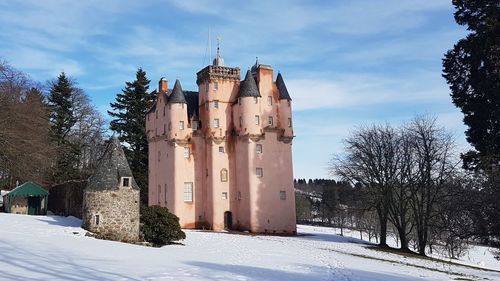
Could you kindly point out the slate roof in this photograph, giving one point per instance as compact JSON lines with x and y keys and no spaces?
{"x":177,"y":96}
{"x":248,"y":87}
{"x":112,"y":166}
{"x":192,"y":103}
{"x":283,"y":92}
{"x":191,"y":98}
{"x":27,"y":189}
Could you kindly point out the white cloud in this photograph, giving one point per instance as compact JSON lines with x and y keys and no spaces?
{"x":355,"y":90}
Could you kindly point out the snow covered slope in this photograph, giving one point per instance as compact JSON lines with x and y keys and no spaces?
{"x":55,"y":248}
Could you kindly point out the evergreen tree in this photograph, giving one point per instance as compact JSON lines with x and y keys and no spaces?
{"x":472,"y":69}
{"x":62,"y":119}
{"x":129,"y":113}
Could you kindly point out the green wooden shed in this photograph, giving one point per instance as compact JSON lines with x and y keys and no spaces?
{"x":28,"y":198}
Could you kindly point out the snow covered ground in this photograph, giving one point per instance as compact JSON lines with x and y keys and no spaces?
{"x":55,"y":248}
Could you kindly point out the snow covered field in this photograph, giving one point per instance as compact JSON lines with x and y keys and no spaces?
{"x":55,"y":248}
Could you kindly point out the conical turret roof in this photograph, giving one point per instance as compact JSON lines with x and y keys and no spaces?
{"x":112,"y":167}
{"x":177,"y":95}
{"x":283,"y":92}
{"x":248,"y":87}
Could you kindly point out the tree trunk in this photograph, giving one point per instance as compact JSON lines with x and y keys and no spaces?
{"x":382,"y":216}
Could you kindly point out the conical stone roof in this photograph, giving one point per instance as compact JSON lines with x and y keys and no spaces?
{"x":112,"y":167}
{"x":283,"y":92}
{"x":177,"y":95}
{"x":248,"y":87}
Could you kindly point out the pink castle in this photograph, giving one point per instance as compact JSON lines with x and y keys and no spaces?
{"x":221,"y":158}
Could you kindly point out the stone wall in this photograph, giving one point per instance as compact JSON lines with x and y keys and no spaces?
{"x":67,"y":199}
{"x":117,"y":211}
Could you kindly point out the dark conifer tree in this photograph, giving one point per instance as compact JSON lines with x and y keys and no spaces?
{"x":62,"y":119}
{"x":472,"y":69}
{"x":129,"y":113}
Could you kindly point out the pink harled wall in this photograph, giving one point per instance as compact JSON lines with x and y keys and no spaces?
{"x":223,"y":158}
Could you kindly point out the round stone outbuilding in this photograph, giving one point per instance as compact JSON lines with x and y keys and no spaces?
{"x":111,"y":198}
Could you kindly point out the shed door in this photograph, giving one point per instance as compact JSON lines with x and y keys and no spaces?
{"x":33,"y":205}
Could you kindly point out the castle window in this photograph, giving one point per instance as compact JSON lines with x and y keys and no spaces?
{"x":289,"y":103}
{"x":181,"y":125}
{"x":269,"y":100}
{"x":216,"y":104}
{"x":165,"y":194}
{"x":221,"y":149}
{"x":188,"y":192}
{"x":258,"y":148}
{"x":223,"y":175}
{"x":97,"y":219}
{"x":241,"y":121}
{"x":257,"y":119}
{"x":164,"y":128}
{"x":270,"y":120}
{"x":156,"y":114}
{"x":159,"y":156}
{"x":159,"y":195}
{"x":163,"y":111}
{"x":216,"y":86}
{"x":282,"y":195}
{"x":186,"y":152}
{"x":259,"y":172}
{"x":126,"y":182}
{"x":216,"y":123}
{"x":224,"y":195}
{"x":194,"y":125}
{"x":255,"y":100}
{"x":289,"y":122}
{"x":239,"y":195}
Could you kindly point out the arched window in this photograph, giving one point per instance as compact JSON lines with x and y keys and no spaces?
{"x":223,"y":175}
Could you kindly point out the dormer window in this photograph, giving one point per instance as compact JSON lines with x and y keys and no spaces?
{"x":125,"y":181}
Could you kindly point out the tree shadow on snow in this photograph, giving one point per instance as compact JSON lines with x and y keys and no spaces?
{"x":330,"y":237}
{"x":16,"y":264}
{"x":61,"y":221}
{"x":316,"y":273}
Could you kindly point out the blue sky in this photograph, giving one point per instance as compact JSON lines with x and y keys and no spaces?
{"x":345,"y":63}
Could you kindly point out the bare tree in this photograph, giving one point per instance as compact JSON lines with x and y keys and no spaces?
{"x":25,"y":148}
{"x":435,"y":166}
{"x":371,"y":160}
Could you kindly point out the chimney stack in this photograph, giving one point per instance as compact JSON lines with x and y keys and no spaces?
{"x":163,"y":85}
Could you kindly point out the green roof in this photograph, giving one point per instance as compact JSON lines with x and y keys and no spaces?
{"x":28,"y":189}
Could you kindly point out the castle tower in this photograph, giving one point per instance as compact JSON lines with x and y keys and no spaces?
{"x":111,"y":198}
{"x":217,"y":86}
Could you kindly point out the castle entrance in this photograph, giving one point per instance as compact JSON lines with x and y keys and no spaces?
{"x":228,"y":220}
